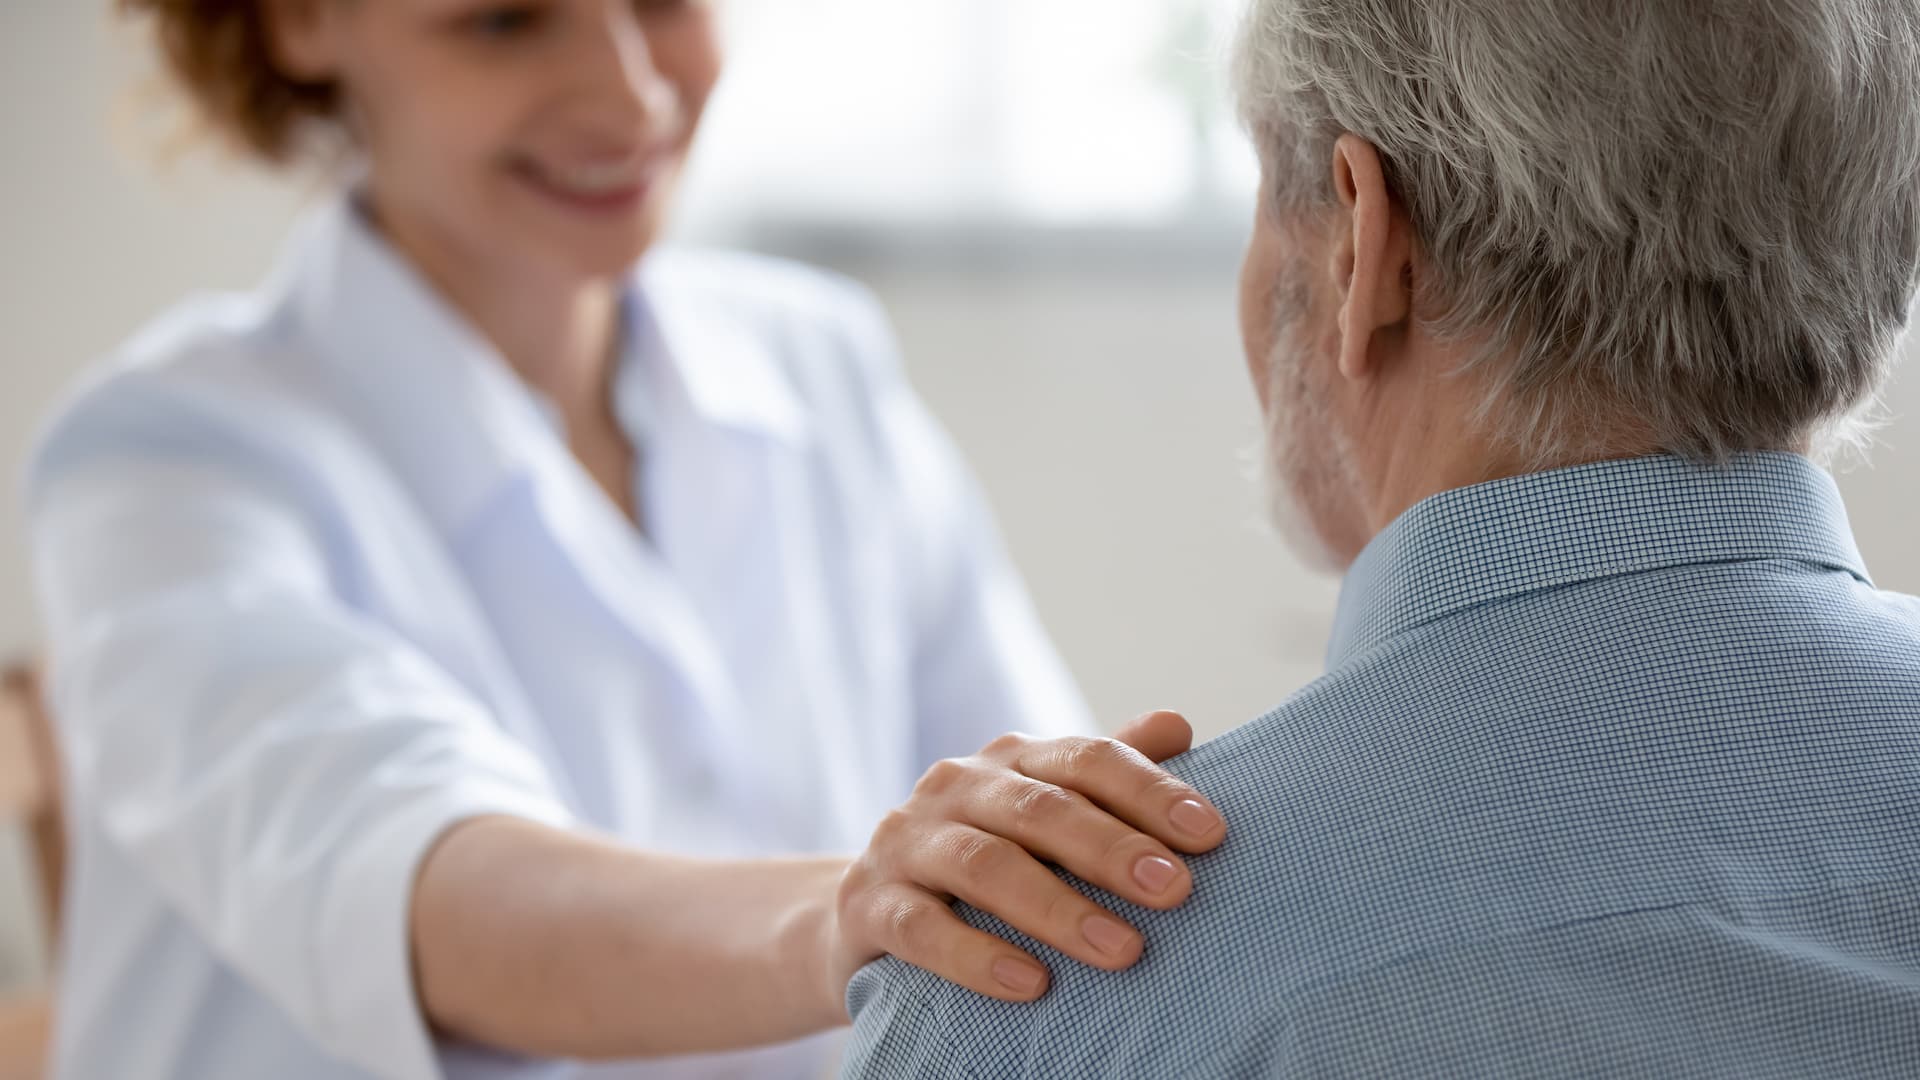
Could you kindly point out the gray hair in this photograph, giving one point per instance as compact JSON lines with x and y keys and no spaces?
{"x":1695,"y":220}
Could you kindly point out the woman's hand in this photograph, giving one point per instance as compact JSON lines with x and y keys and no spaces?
{"x":550,"y":942}
{"x":977,"y":829}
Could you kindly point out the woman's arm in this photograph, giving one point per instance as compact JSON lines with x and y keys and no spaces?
{"x":307,"y":791}
{"x":543,"y":941}
{"x":553,"y":943}
{"x":273,"y":765}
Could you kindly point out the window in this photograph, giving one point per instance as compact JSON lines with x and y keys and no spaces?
{"x":878,"y":113}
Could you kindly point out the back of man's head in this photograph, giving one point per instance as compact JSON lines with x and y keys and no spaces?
{"x":1702,"y":215}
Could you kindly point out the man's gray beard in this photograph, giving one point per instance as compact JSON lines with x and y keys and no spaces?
{"x":1301,"y":456}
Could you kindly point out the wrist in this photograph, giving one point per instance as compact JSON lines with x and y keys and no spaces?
{"x":811,"y":943}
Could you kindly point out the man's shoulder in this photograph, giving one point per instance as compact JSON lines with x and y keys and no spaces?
{"x":1474,"y":782}
{"x":1321,"y":795}
{"x":1209,"y":967}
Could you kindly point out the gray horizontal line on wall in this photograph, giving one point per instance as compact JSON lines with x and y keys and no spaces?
{"x":1211,"y":245}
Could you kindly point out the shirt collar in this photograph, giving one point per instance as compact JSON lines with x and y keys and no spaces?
{"x":715,"y":354}
{"x":447,"y":412}
{"x":1502,"y":539}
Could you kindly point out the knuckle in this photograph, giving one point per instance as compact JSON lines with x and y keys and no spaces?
{"x":1039,"y":805}
{"x":1065,"y":910}
{"x":1124,"y":847}
{"x":911,"y":926}
{"x":1113,"y":752}
{"x":1088,"y":755}
{"x":893,"y":830}
{"x":1160,"y":788}
{"x":1006,"y":745}
{"x":942,"y":777}
{"x":980,"y":858}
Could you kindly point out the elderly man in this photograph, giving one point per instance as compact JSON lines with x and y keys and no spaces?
{"x":1615,"y":770}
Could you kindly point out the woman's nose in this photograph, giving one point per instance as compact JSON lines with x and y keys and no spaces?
{"x":622,"y":75}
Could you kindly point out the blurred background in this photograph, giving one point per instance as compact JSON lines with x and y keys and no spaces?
{"x":1048,"y":195}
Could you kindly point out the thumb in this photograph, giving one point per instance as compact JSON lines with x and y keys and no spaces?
{"x":1158,"y":735}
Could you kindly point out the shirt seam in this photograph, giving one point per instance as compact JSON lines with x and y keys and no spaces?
{"x":1402,"y":959}
{"x":908,"y":989}
{"x":1386,"y":637}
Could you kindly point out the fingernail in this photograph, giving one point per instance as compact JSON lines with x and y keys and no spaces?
{"x":1018,"y":976}
{"x":1106,"y":935}
{"x":1193,"y":818}
{"x":1154,"y":873}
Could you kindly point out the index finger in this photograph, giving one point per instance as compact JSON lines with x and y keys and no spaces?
{"x":1121,"y":781}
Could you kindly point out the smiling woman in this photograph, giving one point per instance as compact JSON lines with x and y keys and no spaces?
{"x":488,"y":131}
{"x":470,"y":647}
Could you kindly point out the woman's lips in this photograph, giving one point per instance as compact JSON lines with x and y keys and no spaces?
{"x":606,"y":188}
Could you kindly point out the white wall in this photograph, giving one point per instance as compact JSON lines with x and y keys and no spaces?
{"x":1107,"y":412}
{"x":1104,"y":408}
{"x":96,"y":237}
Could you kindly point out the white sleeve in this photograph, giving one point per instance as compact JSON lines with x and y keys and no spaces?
{"x":983,"y":664}
{"x":275,"y":763}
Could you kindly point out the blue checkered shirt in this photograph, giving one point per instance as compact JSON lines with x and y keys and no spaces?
{"x":1615,"y":772}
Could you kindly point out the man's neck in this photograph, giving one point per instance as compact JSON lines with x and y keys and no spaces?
{"x":1407,"y":459}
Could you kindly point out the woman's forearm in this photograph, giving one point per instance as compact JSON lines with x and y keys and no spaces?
{"x":542,"y":942}
{"x":552,"y":944}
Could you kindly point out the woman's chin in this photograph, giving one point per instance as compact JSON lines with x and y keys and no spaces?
{"x":611,"y":247}
{"x":611,"y":261}
{"x":610,"y":251}
{"x":599,"y":237}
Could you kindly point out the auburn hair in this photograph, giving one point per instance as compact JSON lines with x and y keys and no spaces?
{"x":221,"y":55}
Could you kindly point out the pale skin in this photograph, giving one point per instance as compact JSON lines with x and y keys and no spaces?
{"x":1400,"y":412}
{"x":521,"y":154}
{"x":555,"y":944}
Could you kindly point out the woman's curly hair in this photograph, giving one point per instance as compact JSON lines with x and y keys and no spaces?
{"x":221,"y":55}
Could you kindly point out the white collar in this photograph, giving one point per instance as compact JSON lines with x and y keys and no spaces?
{"x":449,"y":414}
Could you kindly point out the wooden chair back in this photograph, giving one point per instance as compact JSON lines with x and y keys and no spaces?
{"x":30,"y":799}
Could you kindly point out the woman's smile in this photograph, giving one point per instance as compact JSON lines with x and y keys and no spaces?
{"x":609,"y":187}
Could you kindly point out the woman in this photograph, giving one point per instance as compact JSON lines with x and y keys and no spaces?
{"x":461,"y":641}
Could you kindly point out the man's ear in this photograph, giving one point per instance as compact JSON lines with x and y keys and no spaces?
{"x":302,"y":36}
{"x":1373,"y":253}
